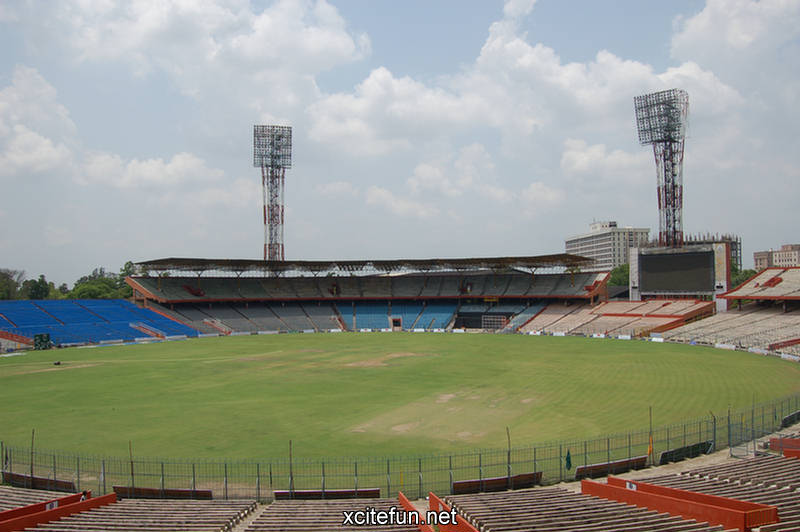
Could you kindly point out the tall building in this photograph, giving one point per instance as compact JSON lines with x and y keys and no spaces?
{"x":607,"y":244}
{"x":788,"y":255}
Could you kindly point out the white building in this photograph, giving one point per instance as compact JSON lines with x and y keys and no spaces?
{"x":786,"y":257}
{"x":607,"y":244}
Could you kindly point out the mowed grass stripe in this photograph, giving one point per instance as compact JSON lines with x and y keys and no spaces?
{"x":367,"y":394}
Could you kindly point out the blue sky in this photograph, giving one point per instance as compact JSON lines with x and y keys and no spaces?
{"x":421,"y":129}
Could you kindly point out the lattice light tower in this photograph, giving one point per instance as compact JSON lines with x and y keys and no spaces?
{"x":661,"y":121}
{"x":272,"y":152}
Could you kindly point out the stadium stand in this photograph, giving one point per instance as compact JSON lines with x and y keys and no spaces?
{"x":322,"y":315}
{"x":155,"y":515}
{"x":87,"y":321}
{"x":557,"y":509}
{"x":572,"y":320}
{"x":371,"y":315}
{"x":11,"y":497}
{"x":754,"y":326}
{"x":524,"y":316}
{"x":407,"y":286}
{"x":293,"y":315}
{"x":437,"y":315}
{"x":769,"y":284}
{"x":262,"y":316}
{"x":320,"y":516}
{"x":432,"y":286}
{"x":407,"y":311}
{"x":767,"y":479}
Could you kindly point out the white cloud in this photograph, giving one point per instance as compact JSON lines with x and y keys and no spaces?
{"x":596,"y":162}
{"x":337,"y":189}
{"x":381,"y":197}
{"x":24,"y":152}
{"x":517,"y":8}
{"x":539,"y":196}
{"x":734,"y":29}
{"x":272,"y":54}
{"x":110,"y":169}
{"x":35,"y":129}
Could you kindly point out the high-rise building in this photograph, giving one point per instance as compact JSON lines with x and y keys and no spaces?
{"x":787,"y":256}
{"x":607,"y":244}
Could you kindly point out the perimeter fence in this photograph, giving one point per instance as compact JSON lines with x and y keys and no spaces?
{"x":414,"y":475}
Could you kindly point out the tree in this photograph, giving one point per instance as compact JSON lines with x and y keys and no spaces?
{"x":739,"y":276}
{"x":38,"y":289}
{"x":10,"y":283}
{"x":620,"y":275}
{"x":104,"y":285}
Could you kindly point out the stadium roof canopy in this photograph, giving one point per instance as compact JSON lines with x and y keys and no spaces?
{"x":241,"y":266}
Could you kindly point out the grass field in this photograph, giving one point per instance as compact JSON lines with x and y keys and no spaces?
{"x":366,"y":394}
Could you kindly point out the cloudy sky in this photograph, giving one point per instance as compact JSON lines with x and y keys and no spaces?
{"x":421,"y":129}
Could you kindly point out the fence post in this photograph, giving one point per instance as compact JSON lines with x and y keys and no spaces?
{"x":534,"y":459}
{"x":388,"y":480}
{"x":194,"y":481}
{"x":270,"y":475}
{"x":480,"y":471}
{"x":560,"y":464}
{"x":730,"y":449}
{"x":11,"y":461}
{"x":323,"y":480}
{"x":629,"y":446}
{"x":162,"y":479}
{"x":2,"y":456}
{"x":585,"y":459}
{"x":420,"y":479}
{"x":225,"y":481}
{"x":684,"y":434}
{"x":451,"y":474}
{"x":78,"y":471}
{"x":355,"y":472}
{"x":54,"y":470}
{"x":258,"y":481}
{"x":714,"y":439}
{"x":608,"y":454}
{"x":102,"y":473}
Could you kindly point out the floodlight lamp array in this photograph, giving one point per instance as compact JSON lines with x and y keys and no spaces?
{"x":272,"y":146}
{"x":661,"y":116}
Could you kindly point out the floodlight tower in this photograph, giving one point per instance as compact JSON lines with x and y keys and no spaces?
{"x":661,"y":121}
{"x":272,"y":152}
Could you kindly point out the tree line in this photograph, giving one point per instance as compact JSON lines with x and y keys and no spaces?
{"x":99,"y":284}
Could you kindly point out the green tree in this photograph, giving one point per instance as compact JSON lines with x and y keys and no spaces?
{"x":739,"y":276}
{"x":38,"y":289}
{"x":10,"y":283}
{"x":620,"y":275}
{"x":101,"y":284}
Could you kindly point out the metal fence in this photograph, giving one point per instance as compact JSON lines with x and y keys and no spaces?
{"x":414,"y":475}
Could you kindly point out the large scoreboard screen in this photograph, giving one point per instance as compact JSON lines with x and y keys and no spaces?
{"x":679,"y":272}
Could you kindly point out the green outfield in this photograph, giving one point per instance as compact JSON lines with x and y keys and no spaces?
{"x":369,"y":394}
